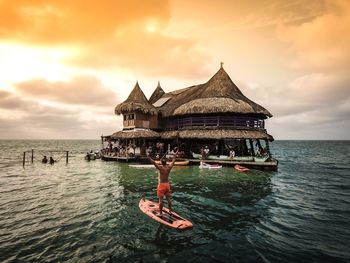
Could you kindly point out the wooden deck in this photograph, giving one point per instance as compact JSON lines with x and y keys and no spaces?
{"x":118,"y":158}
{"x":265,"y":166}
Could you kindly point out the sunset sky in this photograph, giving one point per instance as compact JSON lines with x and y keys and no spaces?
{"x":65,"y":65}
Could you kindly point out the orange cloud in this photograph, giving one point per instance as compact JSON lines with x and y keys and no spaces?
{"x":108,"y":33}
{"x":79,"y":21}
{"x":147,"y":53}
{"x":321,"y":44}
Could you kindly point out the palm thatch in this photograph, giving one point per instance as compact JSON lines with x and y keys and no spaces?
{"x":210,"y":105}
{"x":157,"y":94}
{"x":135,"y":134}
{"x":217,"y":134}
{"x":170,"y":135}
{"x":136,"y":101}
{"x":218,"y":95}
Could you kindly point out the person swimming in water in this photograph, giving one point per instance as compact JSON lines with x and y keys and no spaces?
{"x":44,"y":160}
{"x":52,"y":160}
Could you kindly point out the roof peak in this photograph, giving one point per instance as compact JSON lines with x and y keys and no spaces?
{"x":136,"y":101}
{"x":137,"y":94}
{"x":157,"y":94}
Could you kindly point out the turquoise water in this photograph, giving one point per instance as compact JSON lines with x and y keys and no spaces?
{"x":88,"y":211}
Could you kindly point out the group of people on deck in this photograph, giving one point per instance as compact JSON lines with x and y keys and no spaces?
{"x":205,"y":151}
{"x":115,"y":149}
{"x":239,"y":149}
{"x":45,"y":160}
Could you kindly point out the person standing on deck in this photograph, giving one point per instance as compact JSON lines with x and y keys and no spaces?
{"x":163,"y":188}
{"x":206,"y":152}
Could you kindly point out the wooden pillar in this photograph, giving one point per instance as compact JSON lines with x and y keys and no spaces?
{"x":259,"y":144}
{"x":252,"y":147}
{"x":267,"y":147}
{"x":32,"y":159}
{"x":222,"y":147}
{"x":24,"y":158}
{"x":66,"y":157}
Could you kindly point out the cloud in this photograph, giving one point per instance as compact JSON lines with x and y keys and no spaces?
{"x":321,"y":44}
{"x":315,"y":104}
{"x":79,"y":21}
{"x":83,"y":90}
{"x":53,"y":125}
{"x":30,"y":119}
{"x":106,"y":34}
{"x":147,"y":53}
{"x":305,"y":94}
{"x":9,"y":101}
{"x":39,"y":109}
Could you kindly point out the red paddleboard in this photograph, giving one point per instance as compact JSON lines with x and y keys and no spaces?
{"x":172,"y":219}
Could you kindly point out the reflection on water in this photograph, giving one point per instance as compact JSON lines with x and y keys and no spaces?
{"x":88,"y":211}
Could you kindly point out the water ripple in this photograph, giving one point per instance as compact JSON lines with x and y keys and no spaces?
{"x":88,"y":211}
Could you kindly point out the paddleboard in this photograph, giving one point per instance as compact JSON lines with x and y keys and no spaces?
{"x":172,"y":219}
{"x":141,"y":165}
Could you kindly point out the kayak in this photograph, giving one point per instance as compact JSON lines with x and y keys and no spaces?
{"x":241,"y":168}
{"x":172,"y":219}
{"x":209,"y":166}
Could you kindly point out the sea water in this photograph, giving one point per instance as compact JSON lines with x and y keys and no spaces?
{"x":87,"y":211}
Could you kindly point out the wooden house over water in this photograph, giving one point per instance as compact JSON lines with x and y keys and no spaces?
{"x":214,"y":117}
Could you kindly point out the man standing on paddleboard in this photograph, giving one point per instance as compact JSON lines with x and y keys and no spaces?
{"x":163,"y":188}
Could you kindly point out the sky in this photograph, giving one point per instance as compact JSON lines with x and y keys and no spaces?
{"x":65,"y":65}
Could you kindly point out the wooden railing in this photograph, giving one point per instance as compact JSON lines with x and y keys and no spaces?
{"x":136,"y":123}
{"x":216,"y":121}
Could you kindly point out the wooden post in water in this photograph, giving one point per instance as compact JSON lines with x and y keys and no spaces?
{"x":32,"y":155}
{"x":24,"y":158}
{"x":66,"y":157}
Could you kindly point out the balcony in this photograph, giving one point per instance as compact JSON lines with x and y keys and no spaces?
{"x":215,"y":121}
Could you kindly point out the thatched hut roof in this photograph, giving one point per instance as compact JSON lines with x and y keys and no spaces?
{"x":135,"y":134}
{"x":218,"y":95}
{"x":157,"y":94}
{"x":136,"y":101}
{"x":216,"y":134}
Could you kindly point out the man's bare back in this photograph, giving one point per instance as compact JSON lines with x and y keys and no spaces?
{"x":163,"y":169}
{"x":163,"y":173}
{"x":163,"y":188}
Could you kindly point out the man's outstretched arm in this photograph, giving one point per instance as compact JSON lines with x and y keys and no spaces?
{"x":152,"y":161}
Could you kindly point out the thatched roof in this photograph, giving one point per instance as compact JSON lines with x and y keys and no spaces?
{"x":135,"y":134}
{"x":218,"y":95}
{"x":157,"y":94}
{"x":217,"y":134}
{"x":136,"y":101}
